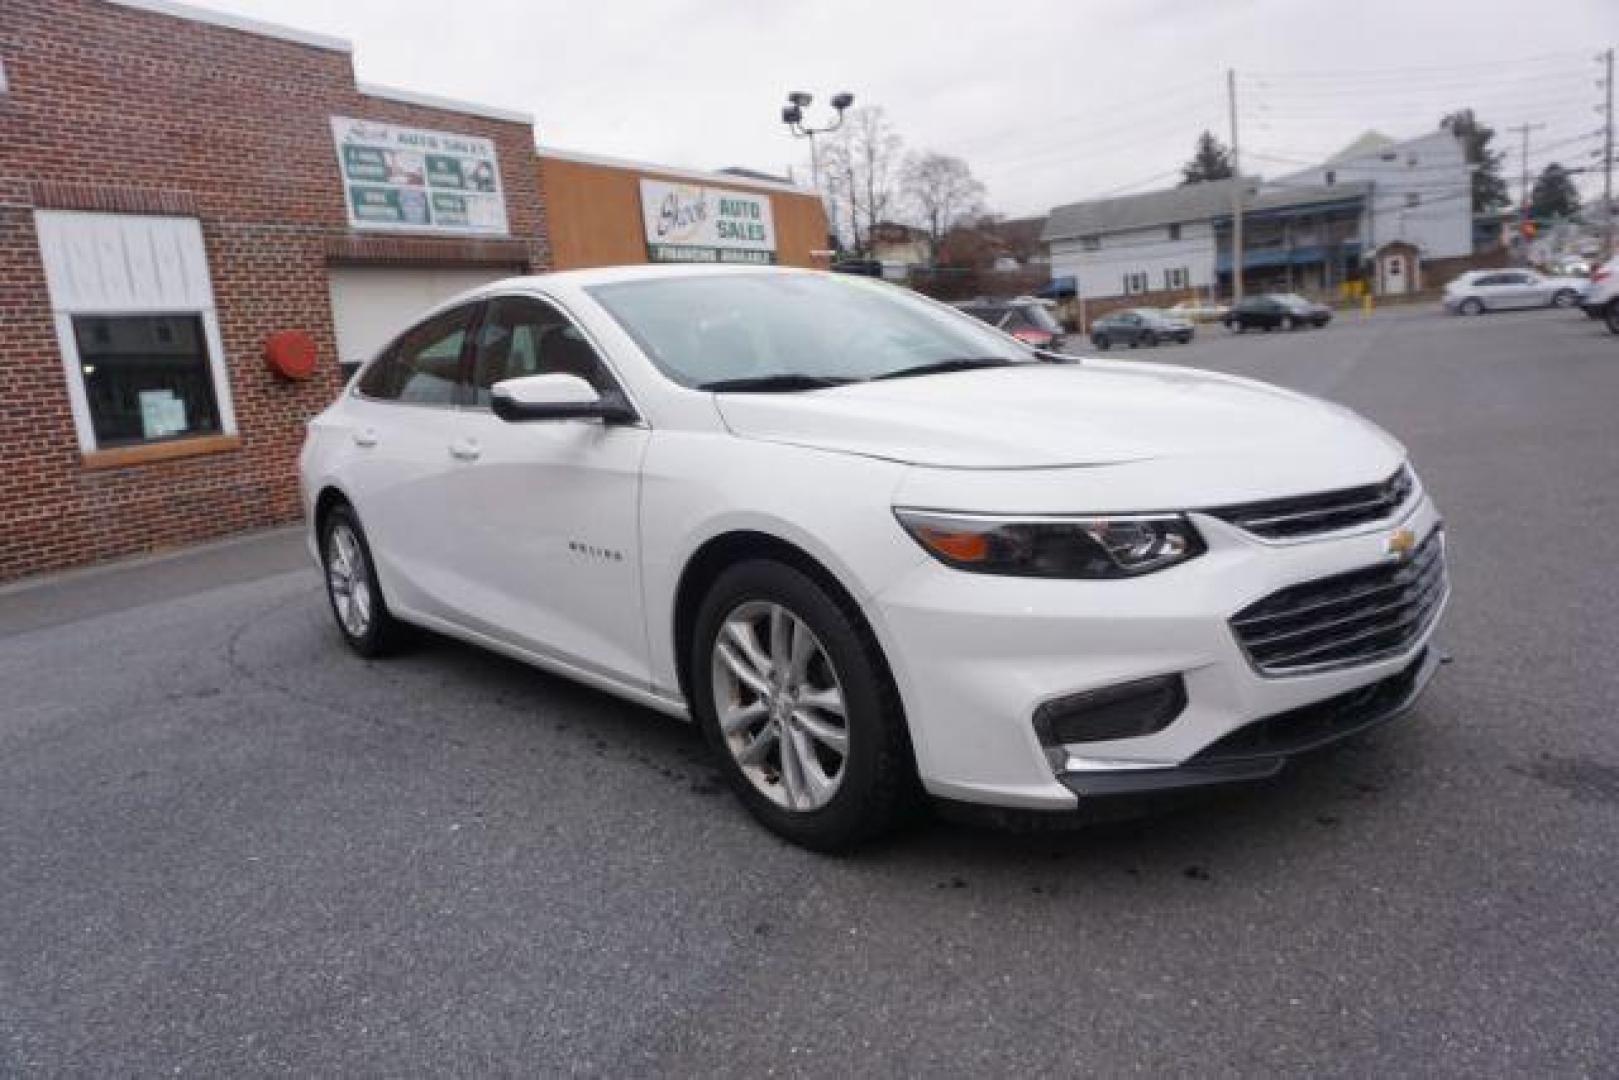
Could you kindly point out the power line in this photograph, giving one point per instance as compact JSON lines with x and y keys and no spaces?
{"x":1320,"y":73}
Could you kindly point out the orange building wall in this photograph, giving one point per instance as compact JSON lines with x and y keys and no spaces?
{"x":593,"y":215}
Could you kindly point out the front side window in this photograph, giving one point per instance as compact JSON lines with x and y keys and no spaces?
{"x":146,"y":377}
{"x":424,"y":366}
{"x":715,"y":329}
{"x":524,"y":336}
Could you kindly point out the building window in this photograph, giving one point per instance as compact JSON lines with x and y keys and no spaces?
{"x":1176,"y":277}
{"x":134,"y":312}
{"x":1413,"y":198}
{"x":1175,"y":231}
{"x":1090,"y":243}
{"x":146,"y":377}
{"x":1135,"y":283}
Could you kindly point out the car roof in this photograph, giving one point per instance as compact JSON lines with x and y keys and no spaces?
{"x":613,"y":275}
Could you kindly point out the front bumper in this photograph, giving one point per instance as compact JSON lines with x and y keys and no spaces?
{"x":1262,"y":749}
{"x":975,"y":657}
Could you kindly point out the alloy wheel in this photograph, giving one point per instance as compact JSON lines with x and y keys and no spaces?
{"x":780,"y":706}
{"x":348,"y":580}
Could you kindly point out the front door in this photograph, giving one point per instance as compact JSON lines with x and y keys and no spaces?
{"x":547,"y":511}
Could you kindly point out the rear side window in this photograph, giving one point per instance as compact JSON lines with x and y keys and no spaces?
{"x":424,"y":366}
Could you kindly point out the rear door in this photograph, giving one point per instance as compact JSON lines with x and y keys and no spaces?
{"x":404,"y":412}
{"x":547,"y":512}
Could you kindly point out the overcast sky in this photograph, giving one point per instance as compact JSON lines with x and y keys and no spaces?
{"x":1049,"y":102}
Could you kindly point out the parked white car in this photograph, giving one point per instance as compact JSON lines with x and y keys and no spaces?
{"x":1478,"y":291}
{"x":1199,"y":310}
{"x":865,"y":540}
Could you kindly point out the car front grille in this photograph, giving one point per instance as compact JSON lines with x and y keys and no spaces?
{"x":1307,"y":515}
{"x":1347,"y":619}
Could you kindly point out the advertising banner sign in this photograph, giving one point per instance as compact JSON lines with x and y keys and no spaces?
{"x":692,"y":223}
{"x":409,"y":180}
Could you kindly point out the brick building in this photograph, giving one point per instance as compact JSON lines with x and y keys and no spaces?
{"x":176,"y":187}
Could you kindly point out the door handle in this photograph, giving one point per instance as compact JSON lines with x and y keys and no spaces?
{"x":365,"y":437}
{"x":465,"y":450}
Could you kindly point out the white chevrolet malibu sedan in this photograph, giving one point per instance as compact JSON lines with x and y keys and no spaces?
{"x":875,"y":548}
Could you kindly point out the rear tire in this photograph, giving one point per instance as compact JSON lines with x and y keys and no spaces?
{"x":352,"y":589}
{"x":750,"y":657}
{"x":1564,"y":298}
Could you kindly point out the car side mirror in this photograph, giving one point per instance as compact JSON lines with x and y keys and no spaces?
{"x":556,"y":397}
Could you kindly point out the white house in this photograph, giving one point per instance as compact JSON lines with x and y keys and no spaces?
{"x":1422,"y":191}
{"x":1158,"y":241}
{"x":1375,"y":210}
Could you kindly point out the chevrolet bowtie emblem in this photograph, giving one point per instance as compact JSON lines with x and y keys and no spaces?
{"x":1401,"y":543}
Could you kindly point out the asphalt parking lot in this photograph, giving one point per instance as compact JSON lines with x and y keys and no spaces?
{"x":228,"y":846}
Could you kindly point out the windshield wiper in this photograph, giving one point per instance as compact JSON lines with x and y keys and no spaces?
{"x":772,"y":384}
{"x":939,"y":367}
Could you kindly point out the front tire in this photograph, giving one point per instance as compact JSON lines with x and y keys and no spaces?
{"x":352,"y":589}
{"x":797,"y":705}
{"x":1472,"y":306}
{"x":1610,"y":315}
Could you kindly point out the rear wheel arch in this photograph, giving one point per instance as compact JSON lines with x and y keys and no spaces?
{"x":329,"y":498}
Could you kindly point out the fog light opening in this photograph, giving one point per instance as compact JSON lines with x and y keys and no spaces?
{"x":1124,"y":711}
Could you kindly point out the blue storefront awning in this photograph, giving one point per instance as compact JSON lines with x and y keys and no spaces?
{"x":1307,"y":255}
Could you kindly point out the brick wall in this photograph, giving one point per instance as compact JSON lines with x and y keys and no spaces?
{"x":116,"y":109}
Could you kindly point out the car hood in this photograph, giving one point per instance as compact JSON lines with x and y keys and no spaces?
{"x":1054,"y":415}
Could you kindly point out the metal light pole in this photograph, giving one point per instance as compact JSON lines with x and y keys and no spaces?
{"x":792,"y":114}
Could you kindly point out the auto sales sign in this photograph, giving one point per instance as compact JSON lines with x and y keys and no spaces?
{"x":692,"y":223}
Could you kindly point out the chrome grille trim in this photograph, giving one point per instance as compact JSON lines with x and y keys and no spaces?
{"x":1303,"y":516}
{"x":1330,"y":623}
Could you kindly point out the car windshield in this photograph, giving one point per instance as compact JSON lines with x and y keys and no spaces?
{"x":796,"y":331}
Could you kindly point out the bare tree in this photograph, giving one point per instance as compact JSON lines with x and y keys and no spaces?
{"x":943,"y":191}
{"x":860,"y":167}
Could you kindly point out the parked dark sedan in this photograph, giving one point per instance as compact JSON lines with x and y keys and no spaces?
{"x":1139,"y":326}
{"x":1276,"y":311}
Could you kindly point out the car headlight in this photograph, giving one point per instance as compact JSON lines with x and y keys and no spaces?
{"x":1101,"y":547}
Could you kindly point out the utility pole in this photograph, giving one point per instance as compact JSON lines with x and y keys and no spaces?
{"x":1236,"y":189}
{"x":1523,"y":206}
{"x":1607,"y":154}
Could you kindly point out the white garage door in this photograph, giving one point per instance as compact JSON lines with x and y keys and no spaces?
{"x":370,"y":305}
